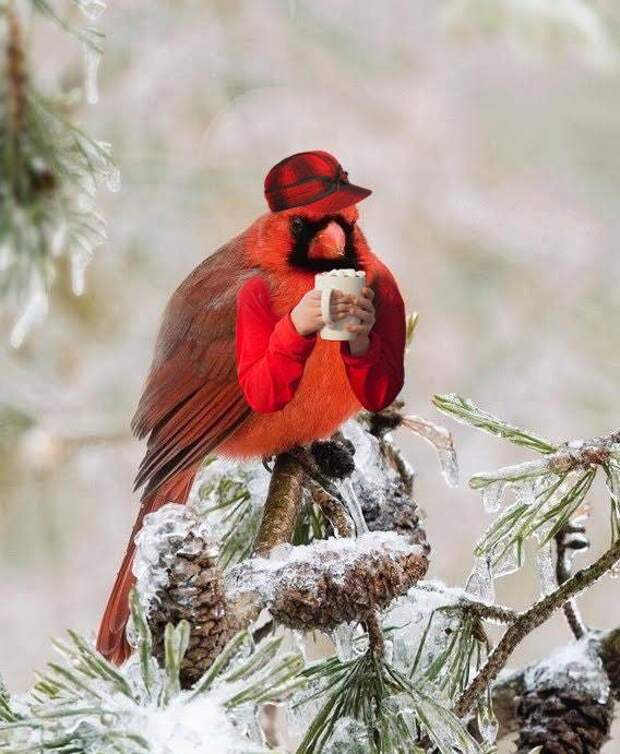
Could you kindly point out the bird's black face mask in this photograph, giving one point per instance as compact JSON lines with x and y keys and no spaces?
{"x":303,"y":231}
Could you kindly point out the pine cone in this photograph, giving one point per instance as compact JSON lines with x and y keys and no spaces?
{"x":385,"y":486}
{"x":566,"y":709}
{"x":182,"y":581}
{"x":610,"y":655}
{"x":328,"y":582}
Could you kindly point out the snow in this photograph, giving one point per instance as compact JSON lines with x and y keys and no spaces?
{"x":92,"y":58}
{"x":577,"y":664}
{"x":263,"y":576}
{"x":158,"y":544}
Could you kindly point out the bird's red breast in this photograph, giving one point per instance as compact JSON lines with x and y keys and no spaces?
{"x":324,"y":398}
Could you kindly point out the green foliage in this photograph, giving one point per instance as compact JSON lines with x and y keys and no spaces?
{"x":89,"y":704}
{"x":460,"y":645}
{"x":548,"y":492}
{"x":395,"y":711}
{"x":50,"y":171}
{"x":6,"y":713}
{"x":467,"y":412}
{"x":228,"y":497}
{"x":87,"y":35}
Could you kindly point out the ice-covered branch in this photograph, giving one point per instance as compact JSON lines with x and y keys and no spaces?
{"x":530,"y":619}
{"x":282,"y":506}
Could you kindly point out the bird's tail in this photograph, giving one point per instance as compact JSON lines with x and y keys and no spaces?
{"x":112,"y":641}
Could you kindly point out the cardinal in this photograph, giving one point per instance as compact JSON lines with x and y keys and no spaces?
{"x":238,"y":368}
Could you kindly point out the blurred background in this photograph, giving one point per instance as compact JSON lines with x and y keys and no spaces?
{"x":489,"y":133}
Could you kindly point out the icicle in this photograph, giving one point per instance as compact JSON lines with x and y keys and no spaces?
{"x":441,"y":440}
{"x":480,"y":582}
{"x":354,"y":508}
{"x":58,"y":239}
{"x":113,"y":179}
{"x":449,"y":465}
{"x":92,"y":9}
{"x":34,"y":312}
{"x":91,"y":64}
{"x":487,"y":724}
{"x":509,"y":562}
{"x":79,"y":262}
{"x":492,"y":496}
{"x":343,"y":636}
{"x":546,"y":570}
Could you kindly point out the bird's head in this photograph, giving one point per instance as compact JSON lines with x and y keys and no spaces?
{"x":313,"y":223}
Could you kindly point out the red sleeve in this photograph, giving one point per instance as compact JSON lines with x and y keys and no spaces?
{"x":271,"y":354}
{"x":377,"y":376}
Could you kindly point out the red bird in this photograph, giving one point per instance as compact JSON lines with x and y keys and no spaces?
{"x":238,"y":368}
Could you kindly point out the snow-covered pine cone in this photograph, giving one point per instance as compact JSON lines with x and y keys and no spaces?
{"x":566,"y":707}
{"x":610,"y":655}
{"x":179,"y":579}
{"x":383,"y":483}
{"x":328,"y":582}
{"x":563,"y":721}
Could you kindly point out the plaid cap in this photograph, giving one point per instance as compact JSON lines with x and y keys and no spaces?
{"x":311,"y":178}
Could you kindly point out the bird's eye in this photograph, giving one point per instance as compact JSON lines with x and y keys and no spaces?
{"x":297,"y":225}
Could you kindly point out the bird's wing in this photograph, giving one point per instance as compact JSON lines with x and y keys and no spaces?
{"x":192,"y":400}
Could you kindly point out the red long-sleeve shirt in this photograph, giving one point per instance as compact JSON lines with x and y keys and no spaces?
{"x":271,"y":354}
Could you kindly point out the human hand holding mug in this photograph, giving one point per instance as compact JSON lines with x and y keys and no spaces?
{"x":307,"y":316}
{"x":342,"y":288}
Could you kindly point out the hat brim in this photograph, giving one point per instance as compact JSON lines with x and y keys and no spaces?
{"x":346,"y":195}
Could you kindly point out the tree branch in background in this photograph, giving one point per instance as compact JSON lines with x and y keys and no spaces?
{"x":50,"y":171}
{"x":569,"y":540}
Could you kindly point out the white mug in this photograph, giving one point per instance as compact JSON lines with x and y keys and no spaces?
{"x":347,"y":281}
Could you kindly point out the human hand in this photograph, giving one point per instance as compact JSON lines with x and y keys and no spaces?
{"x":307,"y":317}
{"x":361,"y":307}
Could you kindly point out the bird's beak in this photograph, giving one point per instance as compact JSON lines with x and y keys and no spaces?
{"x":328,"y":243}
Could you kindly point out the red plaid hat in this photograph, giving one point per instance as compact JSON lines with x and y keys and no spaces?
{"x":311,"y":178}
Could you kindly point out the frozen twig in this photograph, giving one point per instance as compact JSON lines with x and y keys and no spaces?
{"x":332,"y":508}
{"x":530,"y":619}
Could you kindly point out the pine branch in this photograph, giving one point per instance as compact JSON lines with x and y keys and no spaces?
{"x":468,"y":412}
{"x":50,"y":171}
{"x":530,"y":619}
{"x":283,"y":505}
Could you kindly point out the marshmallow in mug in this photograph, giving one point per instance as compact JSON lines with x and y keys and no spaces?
{"x":348,"y":281}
